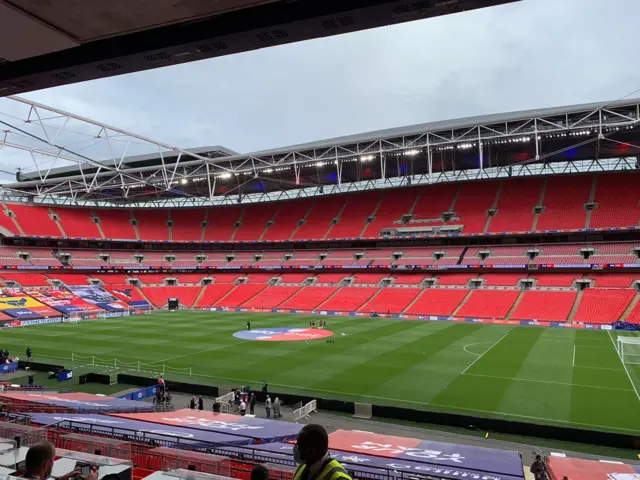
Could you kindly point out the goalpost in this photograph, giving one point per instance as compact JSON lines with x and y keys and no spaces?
{"x":628,"y":349}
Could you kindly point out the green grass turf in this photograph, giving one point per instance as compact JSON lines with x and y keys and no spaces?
{"x":543,"y":375}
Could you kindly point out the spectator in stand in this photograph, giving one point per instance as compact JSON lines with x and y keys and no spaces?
{"x":243,"y":408}
{"x":538,"y":469}
{"x":29,"y":352}
{"x":200,"y":403}
{"x":39,"y":464}
{"x":276,"y":408}
{"x":267,"y":406}
{"x":311,"y":452}
{"x":252,"y":404}
{"x":259,"y":472}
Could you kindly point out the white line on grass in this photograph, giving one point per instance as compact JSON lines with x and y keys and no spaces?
{"x":548,"y":381}
{"x":624,"y":365}
{"x":471,"y":344}
{"x":485,"y":352}
{"x":195,"y":353}
{"x":426,"y":404}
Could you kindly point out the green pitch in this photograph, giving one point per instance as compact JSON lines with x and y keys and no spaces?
{"x":542,"y":375}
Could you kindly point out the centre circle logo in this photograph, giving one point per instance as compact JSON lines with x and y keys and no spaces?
{"x":283,"y":334}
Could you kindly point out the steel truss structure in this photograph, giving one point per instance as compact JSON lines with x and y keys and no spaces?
{"x":65,"y":159}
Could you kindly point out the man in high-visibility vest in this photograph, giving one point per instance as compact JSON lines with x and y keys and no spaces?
{"x":311,"y":452}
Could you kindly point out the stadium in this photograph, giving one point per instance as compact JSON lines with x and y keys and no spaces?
{"x":474,"y":274}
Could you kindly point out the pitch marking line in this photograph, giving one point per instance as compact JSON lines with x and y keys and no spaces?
{"x":485,"y":352}
{"x":448,"y":407}
{"x":633,"y":384}
{"x":196,"y":353}
{"x":548,"y":381}
{"x":471,"y":344}
{"x":573,"y":363}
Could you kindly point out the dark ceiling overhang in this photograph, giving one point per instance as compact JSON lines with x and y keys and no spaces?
{"x":45,"y":43}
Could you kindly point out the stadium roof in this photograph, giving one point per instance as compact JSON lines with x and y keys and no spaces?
{"x":52,"y":43}
{"x":551,"y":140}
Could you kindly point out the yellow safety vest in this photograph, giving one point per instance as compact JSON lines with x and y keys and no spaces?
{"x":331,"y":471}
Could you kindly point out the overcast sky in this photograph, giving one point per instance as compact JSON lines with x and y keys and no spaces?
{"x":531,"y":54}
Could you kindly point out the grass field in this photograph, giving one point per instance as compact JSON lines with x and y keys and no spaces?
{"x":543,"y":375}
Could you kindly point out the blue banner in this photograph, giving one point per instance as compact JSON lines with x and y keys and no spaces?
{"x":8,"y":367}
{"x":65,"y":375}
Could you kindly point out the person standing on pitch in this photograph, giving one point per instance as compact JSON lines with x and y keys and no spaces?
{"x":311,"y":453}
{"x":276,"y":408}
{"x":249,"y":326}
{"x":29,"y":352}
{"x":252,"y":404}
{"x":267,"y":406}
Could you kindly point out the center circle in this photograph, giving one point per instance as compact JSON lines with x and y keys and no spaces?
{"x":283,"y":334}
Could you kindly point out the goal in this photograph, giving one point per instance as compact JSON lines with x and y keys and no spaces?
{"x":629,"y":349}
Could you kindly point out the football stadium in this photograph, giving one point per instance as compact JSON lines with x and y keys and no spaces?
{"x":420,"y":291}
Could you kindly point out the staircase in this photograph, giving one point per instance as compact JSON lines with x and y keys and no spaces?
{"x":142,"y":294}
{"x":415,"y":202}
{"x":135,"y":227}
{"x":455,"y":199}
{"x":326,"y":235}
{"x":592,"y":197}
{"x":170,"y":228}
{"x":290,"y":297}
{"x":306,"y":215}
{"x":272,"y":219}
{"x":204,"y":229}
{"x":370,"y":299}
{"x":373,"y":214}
{"x":464,"y":300}
{"x":494,"y":205}
{"x":51,"y":216}
{"x":631,"y":306}
{"x":199,"y":296}
{"x":93,"y":215}
{"x":576,"y":304}
{"x":515,"y":305}
{"x":414,"y":300}
{"x":17,"y":225}
{"x":540,"y":204}
{"x":235,"y":229}
{"x":329,"y":298}
{"x":226,"y":294}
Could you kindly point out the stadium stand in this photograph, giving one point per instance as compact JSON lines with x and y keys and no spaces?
{"x":116,"y":224}
{"x":617,"y":201}
{"x":348,"y":299}
{"x":433,"y":202}
{"x":318,"y":221}
{"x":158,"y":296}
{"x":35,"y":221}
{"x":395,"y":204}
{"x":545,"y":306}
{"x":256,"y":220}
{"x":270,"y":297}
{"x":515,"y":205}
{"x":240,"y":294}
{"x":186,"y":224}
{"x":286,"y":220}
{"x":436,"y":301}
{"x":221,"y":223}
{"x":212,"y":293}
{"x":564,"y":201}
{"x":77,"y":222}
{"x":391,"y":300}
{"x":474,"y":201}
{"x":488,"y":304}
{"x":603,"y":306}
{"x":309,"y":298}
{"x":353,"y":220}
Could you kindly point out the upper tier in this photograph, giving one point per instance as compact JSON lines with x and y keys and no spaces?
{"x":595,"y":201}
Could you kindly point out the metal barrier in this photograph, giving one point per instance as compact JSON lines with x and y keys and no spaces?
{"x":305,"y":411}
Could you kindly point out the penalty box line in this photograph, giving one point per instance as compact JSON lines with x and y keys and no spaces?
{"x":624,"y":365}
{"x":485,"y":352}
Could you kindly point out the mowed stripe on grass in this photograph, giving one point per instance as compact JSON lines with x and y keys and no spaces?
{"x":523,"y":373}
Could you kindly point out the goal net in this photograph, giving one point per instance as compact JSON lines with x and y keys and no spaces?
{"x":629,"y":349}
